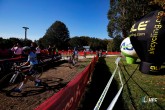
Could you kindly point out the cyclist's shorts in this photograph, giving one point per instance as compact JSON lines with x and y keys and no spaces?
{"x":32,"y":70}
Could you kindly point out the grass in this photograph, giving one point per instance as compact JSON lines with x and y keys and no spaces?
{"x":83,"y":64}
{"x":94,"y":89}
{"x":137,"y":87}
{"x":142,"y":91}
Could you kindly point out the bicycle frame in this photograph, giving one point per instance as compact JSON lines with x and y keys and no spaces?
{"x":17,"y":74}
{"x":17,"y":71}
{"x":13,"y":78}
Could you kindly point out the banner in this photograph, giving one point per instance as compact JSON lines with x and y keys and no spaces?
{"x":148,"y":39}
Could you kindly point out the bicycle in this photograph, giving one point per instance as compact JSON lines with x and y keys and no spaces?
{"x":71,"y":61}
{"x":8,"y":63}
{"x":17,"y":75}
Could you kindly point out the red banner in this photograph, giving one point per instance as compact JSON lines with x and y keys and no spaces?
{"x":69,"y":97}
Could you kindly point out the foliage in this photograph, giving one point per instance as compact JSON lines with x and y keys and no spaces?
{"x":114,"y":44}
{"x":123,"y":13}
{"x":157,"y":2}
{"x":8,"y":43}
{"x":110,"y":46}
{"x":94,"y":43}
{"x":57,"y":34}
{"x":79,"y":41}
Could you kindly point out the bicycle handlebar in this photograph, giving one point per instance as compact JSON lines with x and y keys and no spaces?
{"x":19,"y":67}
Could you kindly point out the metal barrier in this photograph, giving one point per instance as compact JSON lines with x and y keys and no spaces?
{"x":98,"y":105}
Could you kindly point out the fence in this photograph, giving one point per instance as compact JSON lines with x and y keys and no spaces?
{"x":99,"y":103}
{"x":68,"y":98}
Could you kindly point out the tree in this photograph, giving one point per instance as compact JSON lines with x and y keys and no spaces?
{"x":14,"y":41}
{"x":110,"y":46}
{"x":123,"y":13}
{"x":116,"y":43}
{"x":79,"y":41}
{"x":57,"y":34}
{"x":94,"y":43}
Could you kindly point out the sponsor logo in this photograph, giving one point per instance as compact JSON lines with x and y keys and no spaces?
{"x":147,"y":99}
{"x":139,"y":28}
{"x":155,"y":68}
{"x":127,"y":46}
{"x":154,"y":35}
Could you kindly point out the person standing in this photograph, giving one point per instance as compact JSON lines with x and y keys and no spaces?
{"x":17,"y":50}
{"x":84,"y":53}
{"x":38,"y":53}
{"x":50,"y":50}
{"x":56,"y":51}
{"x":33,"y":46}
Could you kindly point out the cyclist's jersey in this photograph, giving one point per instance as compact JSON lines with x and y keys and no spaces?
{"x":32,"y":58}
{"x":73,"y":53}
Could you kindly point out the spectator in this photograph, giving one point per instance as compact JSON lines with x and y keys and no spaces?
{"x":50,"y":50}
{"x":84,"y":53}
{"x":17,"y":50}
{"x":38,"y":50}
{"x":56,"y":51}
{"x":106,"y":52}
{"x":97,"y":53}
{"x":69,"y":51}
{"x":38,"y":54}
{"x":100,"y":53}
{"x":53,"y":50}
{"x":33,"y":46}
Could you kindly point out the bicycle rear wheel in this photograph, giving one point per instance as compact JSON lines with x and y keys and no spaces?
{"x":10,"y":79}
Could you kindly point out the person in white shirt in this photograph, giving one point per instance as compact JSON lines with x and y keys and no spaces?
{"x":38,"y":50}
{"x":38,"y":53}
{"x":17,"y":50}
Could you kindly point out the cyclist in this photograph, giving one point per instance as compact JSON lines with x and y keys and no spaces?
{"x":75,"y":52}
{"x":32,"y":62}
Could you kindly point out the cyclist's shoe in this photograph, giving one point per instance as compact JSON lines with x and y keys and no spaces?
{"x":17,"y":90}
{"x":38,"y":83}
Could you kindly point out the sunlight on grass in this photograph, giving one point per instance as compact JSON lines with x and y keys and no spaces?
{"x":142,"y":91}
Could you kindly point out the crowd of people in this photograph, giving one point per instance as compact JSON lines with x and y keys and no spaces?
{"x":17,"y":51}
{"x":50,"y":51}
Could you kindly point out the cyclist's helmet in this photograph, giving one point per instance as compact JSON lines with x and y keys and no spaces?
{"x":26,"y":48}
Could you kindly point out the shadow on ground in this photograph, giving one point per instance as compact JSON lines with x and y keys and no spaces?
{"x":100,"y":78}
{"x":32,"y":90}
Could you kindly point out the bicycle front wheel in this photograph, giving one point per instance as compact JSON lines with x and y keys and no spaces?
{"x":10,"y":79}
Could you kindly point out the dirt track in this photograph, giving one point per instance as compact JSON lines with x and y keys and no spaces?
{"x":56,"y":76}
